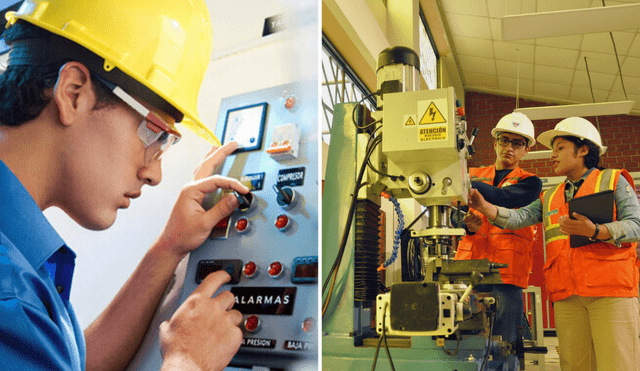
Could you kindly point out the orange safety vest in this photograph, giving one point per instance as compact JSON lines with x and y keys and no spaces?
{"x":513,"y":247}
{"x":597,"y":270}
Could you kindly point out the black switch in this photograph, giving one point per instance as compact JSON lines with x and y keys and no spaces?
{"x":284,"y":196}
{"x":243,"y":199}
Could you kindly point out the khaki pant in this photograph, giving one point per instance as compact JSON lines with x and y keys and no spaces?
{"x":598,"y":331}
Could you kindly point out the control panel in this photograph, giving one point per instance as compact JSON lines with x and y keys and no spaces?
{"x":269,"y":245}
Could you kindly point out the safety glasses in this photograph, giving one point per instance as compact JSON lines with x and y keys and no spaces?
{"x":516,"y":143}
{"x":156,"y":134}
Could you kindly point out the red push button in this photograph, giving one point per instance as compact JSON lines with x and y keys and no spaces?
{"x":242,"y":225}
{"x":309,"y":325}
{"x":290,"y":102}
{"x":250,"y":269}
{"x":252,"y":323}
{"x":275,"y":269}
{"x":282,"y":222}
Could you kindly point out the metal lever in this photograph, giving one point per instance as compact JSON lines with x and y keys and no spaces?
{"x":470,"y":148}
{"x":446,"y":183}
{"x":474,"y":133}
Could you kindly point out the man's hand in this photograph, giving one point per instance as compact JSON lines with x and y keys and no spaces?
{"x":213,"y":159}
{"x":473,"y":222}
{"x":190,"y":224}
{"x":477,"y":202}
{"x":580,"y":226}
{"x":204,"y":333}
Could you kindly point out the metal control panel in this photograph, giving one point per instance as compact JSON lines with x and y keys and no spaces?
{"x":269,"y":245}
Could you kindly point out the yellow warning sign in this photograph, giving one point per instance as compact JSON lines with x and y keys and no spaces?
{"x":435,"y":132}
{"x":410,"y":122}
{"x":432,"y":116}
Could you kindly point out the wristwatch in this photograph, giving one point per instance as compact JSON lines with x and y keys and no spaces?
{"x":595,"y":235}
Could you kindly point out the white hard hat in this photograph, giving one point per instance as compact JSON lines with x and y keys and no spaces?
{"x":573,"y":127}
{"x":516,"y":123}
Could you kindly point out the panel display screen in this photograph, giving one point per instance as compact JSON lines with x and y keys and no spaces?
{"x":305,"y":269}
{"x":231,"y":266}
{"x":245,"y":125}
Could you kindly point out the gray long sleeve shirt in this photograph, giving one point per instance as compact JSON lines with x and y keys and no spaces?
{"x":625,"y":229}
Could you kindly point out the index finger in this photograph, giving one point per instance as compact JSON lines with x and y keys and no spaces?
{"x":213,"y":159}
{"x":210,"y":184}
{"x":212,"y":283}
{"x":579,"y":216}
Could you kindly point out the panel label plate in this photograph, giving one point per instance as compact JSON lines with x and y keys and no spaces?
{"x":291,"y":177}
{"x":298,"y":345}
{"x":264,"y":300}
{"x":255,"y":182}
{"x":258,"y":343}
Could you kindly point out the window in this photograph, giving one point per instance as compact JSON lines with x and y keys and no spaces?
{"x":428,"y":55}
{"x":339,"y":85}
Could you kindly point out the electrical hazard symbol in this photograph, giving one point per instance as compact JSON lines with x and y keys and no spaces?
{"x":410,"y":122}
{"x":432,"y":116}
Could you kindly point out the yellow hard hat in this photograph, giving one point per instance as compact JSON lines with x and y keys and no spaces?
{"x":163,"y":45}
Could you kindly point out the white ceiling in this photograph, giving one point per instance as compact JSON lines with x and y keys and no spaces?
{"x":550,"y":69}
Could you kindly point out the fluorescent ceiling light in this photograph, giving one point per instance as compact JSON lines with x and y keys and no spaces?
{"x":537,"y":155}
{"x":551,"y":181}
{"x":570,"y":22}
{"x":578,"y":110}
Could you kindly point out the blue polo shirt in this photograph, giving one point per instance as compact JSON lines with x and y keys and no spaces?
{"x":38,"y":328}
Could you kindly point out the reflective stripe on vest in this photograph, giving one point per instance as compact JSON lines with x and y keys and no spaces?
{"x":605,"y":181}
{"x":551,"y":231}
{"x":502,"y":246}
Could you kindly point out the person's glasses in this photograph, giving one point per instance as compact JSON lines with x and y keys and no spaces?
{"x":156,"y":134}
{"x":516,"y":143}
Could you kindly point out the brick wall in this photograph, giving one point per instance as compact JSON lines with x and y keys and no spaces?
{"x":620,"y":133}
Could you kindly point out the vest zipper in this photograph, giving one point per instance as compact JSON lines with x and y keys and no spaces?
{"x":509,"y":233}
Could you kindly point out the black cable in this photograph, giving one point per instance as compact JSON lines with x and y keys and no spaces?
{"x":615,"y":50}
{"x":354,"y":195}
{"x":591,"y":87}
{"x":406,"y":230}
{"x":486,"y":356}
{"x":369,"y":125}
{"x":454,"y":353}
{"x":383,"y":337}
{"x":333,"y":273}
{"x":353,"y":112}
{"x":393,"y":177}
{"x":411,"y":257}
{"x":375,"y":356}
{"x":382,"y":287}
